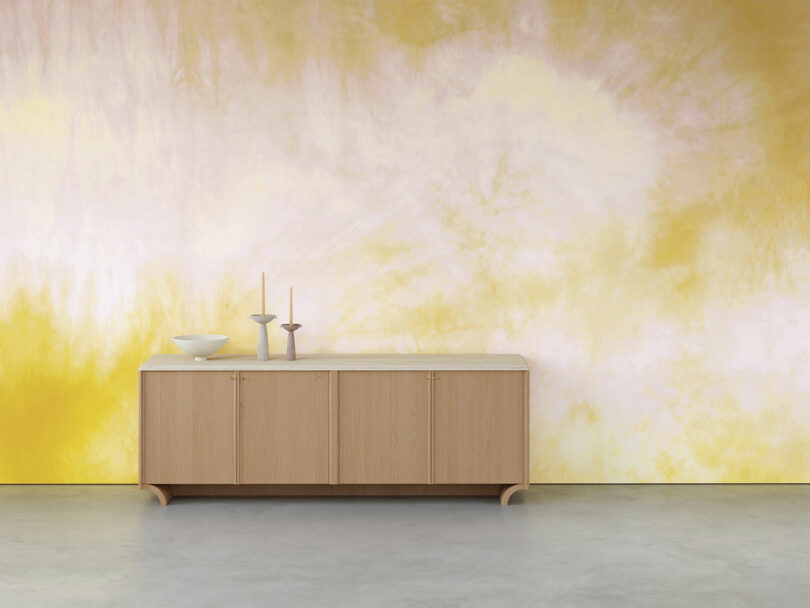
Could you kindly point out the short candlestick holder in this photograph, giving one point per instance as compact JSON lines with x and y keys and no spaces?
{"x":263,"y":351}
{"x":291,"y":327}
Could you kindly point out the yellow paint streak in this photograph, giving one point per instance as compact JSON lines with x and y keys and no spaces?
{"x":721,"y":440}
{"x":67,"y":412}
{"x":748,"y":447}
{"x":420,"y":23}
{"x":68,"y":405}
{"x":43,"y":121}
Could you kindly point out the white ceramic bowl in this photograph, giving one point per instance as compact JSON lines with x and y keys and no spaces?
{"x":200,"y":346}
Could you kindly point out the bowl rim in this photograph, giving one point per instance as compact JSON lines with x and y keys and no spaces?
{"x":200,"y":337}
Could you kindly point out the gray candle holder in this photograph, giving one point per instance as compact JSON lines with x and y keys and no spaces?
{"x":291,"y":339}
{"x":263,"y":350}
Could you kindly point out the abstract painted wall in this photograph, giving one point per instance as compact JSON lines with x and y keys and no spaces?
{"x":616,"y":190}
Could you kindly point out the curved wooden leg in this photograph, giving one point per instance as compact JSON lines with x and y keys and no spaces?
{"x":164,"y":493}
{"x":507,"y":491}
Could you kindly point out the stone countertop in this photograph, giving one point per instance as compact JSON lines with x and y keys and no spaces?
{"x":339,"y":363}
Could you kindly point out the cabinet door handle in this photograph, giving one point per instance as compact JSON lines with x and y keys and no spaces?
{"x":433,"y":377}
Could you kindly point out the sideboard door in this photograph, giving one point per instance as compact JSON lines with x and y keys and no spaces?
{"x":188,"y":427}
{"x":383,"y":427}
{"x":478,"y":427}
{"x":284,"y":427}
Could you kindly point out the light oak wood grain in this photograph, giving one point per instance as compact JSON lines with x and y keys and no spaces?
{"x":187,"y":427}
{"x":383,"y":427}
{"x":479,"y":427}
{"x":331,"y":432}
{"x":429,"y":397}
{"x":508,"y":491}
{"x":525,"y":431}
{"x":339,"y":490}
{"x":334,"y":437}
{"x":140,"y":430}
{"x":237,"y":378}
{"x":284,"y":427}
{"x":163,"y":492}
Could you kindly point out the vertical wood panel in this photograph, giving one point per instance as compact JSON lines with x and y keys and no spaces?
{"x":140,"y":429}
{"x":430,"y":426}
{"x":383,"y":427}
{"x":236,"y":407}
{"x":334,"y":427}
{"x":526,"y":428}
{"x":479,"y":427}
{"x":284,"y":427}
{"x":188,"y":427}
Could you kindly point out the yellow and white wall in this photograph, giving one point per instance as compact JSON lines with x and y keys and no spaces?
{"x":617,"y":191}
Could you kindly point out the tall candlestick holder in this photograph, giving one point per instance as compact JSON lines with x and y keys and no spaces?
{"x":291,"y":327}
{"x":263,"y":350}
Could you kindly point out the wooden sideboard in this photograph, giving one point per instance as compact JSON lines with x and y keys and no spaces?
{"x":334,"y":425}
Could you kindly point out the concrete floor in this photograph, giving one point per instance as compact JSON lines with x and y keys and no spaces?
{"x":554,"y":546}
